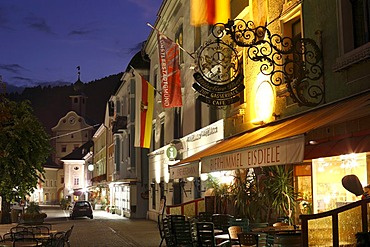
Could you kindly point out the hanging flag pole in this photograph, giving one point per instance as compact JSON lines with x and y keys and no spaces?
{"x":181,"y":48}
{"x":158,"y":91}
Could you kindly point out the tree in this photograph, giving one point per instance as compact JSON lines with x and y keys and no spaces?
{"x":24,"y":148}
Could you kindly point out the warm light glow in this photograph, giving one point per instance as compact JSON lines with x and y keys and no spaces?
{"x":327,"y":190}
{"x":166,"y":174}
{"x":203,"y":176}
{"x":157,"y":171}
{"x":190,"y":179}
{"x":90,"y":167}
{"x":264,"y":100}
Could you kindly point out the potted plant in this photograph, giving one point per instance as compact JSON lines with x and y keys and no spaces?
{"x":33,"y":214}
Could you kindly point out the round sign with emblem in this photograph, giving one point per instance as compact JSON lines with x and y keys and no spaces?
{"x":171,"y":153}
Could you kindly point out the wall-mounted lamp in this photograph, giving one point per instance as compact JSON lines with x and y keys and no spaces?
{"x":203,"y":176}
{"x":190,"y":179}
{"x":90,"y":167}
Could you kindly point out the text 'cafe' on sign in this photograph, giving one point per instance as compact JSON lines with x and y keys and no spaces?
{"x":286,"y":151}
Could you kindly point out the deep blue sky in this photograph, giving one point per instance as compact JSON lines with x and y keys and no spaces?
{"x":43,"y":41}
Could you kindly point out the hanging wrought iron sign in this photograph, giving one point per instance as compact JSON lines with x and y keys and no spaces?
{"x":219,"y":79}
{"x":293,"y":62}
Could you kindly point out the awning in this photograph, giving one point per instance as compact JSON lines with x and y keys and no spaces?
{"x":287,"y":128}
{"x":357,"y":143}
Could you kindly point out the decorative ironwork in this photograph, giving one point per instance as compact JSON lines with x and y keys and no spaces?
{"x":218,"y":78}
{"x":293,"y":62}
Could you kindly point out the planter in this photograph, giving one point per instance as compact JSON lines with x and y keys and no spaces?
{"x":33,"y":218}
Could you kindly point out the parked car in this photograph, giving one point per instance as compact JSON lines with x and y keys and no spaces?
{"x":81,"y":209}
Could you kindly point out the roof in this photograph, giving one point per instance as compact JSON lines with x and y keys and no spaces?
{"x":51,"y":164}
{"x":79,"y":153}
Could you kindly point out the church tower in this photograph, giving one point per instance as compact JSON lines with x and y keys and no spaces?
{"x":78,"y":99}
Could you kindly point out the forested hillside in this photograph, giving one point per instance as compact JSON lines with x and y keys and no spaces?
{"x":52,"y":103}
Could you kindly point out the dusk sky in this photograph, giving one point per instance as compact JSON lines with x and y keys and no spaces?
{"x":43,"y":41}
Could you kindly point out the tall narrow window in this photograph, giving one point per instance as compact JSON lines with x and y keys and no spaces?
{"x":361,"y":21}
{"x":177,"y":123}
{"x":162,"y":133}
{"x":198,"y":114}
{"x":197,"y":37}
{"x":179,"y":40}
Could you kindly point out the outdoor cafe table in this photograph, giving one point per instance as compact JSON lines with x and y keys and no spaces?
{"x":19,"y":244}
{"x":224,"y":236}
{"x":278,"y":229}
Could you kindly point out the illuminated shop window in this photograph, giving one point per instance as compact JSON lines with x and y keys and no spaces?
{"x":327,"y":174}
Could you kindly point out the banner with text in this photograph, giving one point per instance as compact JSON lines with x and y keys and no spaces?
{"x":170,"y":72}
{"x":286,"y":151}
{"x":185,"y":171}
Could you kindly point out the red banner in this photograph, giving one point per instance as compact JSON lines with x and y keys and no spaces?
{"x":170,"y":72}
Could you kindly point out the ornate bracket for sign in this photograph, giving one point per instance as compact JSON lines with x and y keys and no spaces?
{"x":293,"y":62}
{"x":218,"y":78}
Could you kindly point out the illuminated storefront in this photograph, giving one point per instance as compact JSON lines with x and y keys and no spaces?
{"x":328,"y":191}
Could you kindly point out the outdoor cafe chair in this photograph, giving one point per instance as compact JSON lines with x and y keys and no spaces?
{"x":18,"y":229}
{"x":206,"y":235}
{"x":7,"y":238}
{"x":68,"y":235}
{"x":167,"y":233}
{"x":57,"y":240}
{"x":204,"y":217}
{"x":242,"y":222}
{"x":247,"y":239}
{"x":181,"y":230}
{"x":23,"y":235}
{"x":183,"y":233}
{"x":29,"y":242}
{"x":221,"y":221}
{"x":233,"y":235}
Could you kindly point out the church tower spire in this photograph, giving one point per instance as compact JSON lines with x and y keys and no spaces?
{"x":79,"y":99}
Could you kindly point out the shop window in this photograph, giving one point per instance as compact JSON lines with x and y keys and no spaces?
{"x":302,"y":174}
{"x":327,"y":174}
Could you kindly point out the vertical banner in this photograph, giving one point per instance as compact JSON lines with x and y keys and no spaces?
{"x":170,"y":72}
{"x":144,"y":100}
{"x":209,"y":12}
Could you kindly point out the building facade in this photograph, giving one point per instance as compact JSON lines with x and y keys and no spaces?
{"x":310,"y":98}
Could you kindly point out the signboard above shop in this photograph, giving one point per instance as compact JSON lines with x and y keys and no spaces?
{"x":185,"y":171}
{"x":286,"y":151}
